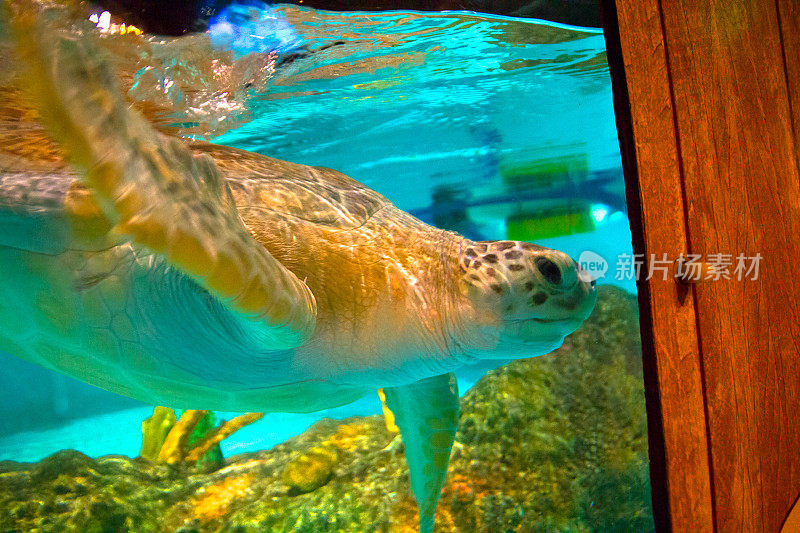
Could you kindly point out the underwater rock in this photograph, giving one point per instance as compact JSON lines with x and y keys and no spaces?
{"x":554,"y":442}
{"x":310,"y":471}
{"x":560,"y":442}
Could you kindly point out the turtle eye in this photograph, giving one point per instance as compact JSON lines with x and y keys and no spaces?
{"x":549,"y":270}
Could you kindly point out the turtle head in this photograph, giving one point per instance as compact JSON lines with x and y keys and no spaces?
{"x":523,"y":298}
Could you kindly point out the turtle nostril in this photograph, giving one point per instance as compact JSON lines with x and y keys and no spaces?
{"x":549,"y":270}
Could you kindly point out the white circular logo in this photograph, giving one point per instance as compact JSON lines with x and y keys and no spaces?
{"x":593,"y":266}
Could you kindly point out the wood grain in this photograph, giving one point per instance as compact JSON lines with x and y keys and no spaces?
{"x":743,"y":192}
{"x":732,"y":70}
{"x":672,"y":338}
{"x":789,"y":17}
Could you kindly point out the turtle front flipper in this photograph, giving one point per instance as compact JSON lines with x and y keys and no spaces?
{"x":427,"y":414}
{"x":152,"y":188}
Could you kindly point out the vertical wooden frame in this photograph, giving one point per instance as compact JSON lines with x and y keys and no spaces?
{"x":679,"y":470}
{"x":707,"y":97}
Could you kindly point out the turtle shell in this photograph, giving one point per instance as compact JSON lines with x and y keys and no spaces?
{"x":313,"y":194}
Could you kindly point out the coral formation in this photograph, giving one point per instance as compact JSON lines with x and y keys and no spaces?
{"x":191,"y":438}
{"x":388,"y":414}
{"x":155,"y":430}
{"x":552,"y":443}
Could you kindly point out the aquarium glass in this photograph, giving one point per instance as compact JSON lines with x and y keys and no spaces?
{"x":493,"y":127}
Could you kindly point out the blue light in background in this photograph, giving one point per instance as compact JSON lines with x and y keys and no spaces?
{"x":599,"y":212}
{"x":255,"y":27}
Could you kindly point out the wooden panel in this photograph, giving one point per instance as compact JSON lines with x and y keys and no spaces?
{"x":732,"y":73}
{"x":653,"y":177}
{"x":789,"y":16}
{"x":743,"y":193}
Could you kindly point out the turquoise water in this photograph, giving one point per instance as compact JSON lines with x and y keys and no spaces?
{"x":410,"y":103}
{"x":464,"y":120}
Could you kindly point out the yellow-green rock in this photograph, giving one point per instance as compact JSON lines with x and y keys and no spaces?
{"x":310,"y":471}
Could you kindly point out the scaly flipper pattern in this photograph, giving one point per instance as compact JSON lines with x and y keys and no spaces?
{"x":153,"y":188}
{"x":427,"y":414}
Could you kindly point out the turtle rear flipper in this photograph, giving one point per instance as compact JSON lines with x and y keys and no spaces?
{"x":427,"y":414}
{"x":153,"y":188}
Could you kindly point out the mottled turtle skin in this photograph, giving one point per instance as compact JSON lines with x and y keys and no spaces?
{"x":199,"y":276}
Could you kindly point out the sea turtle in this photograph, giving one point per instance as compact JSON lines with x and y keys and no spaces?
{"x":194,"y":275}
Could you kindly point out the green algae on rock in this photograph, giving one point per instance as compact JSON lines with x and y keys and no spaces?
{"x":554,"y":442}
